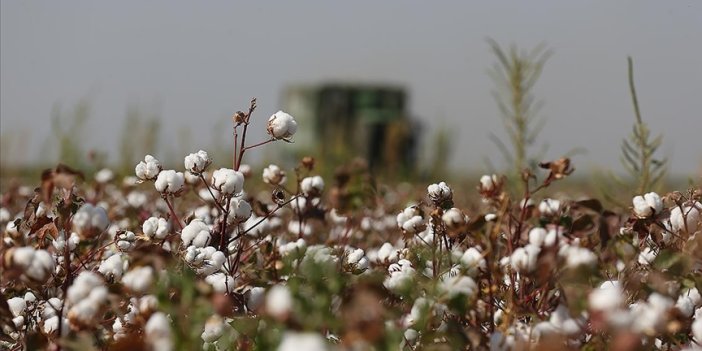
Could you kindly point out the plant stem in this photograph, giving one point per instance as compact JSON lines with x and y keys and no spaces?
{"x":170,"y":208}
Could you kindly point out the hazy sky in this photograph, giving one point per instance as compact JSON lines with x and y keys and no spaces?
{"x":197,"y":62}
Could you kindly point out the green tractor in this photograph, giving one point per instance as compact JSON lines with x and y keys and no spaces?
{"x":339,"y":122}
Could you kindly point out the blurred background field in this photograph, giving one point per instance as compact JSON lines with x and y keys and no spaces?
{"x":407,"y":87}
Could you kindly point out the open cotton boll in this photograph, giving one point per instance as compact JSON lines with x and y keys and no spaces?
{"x":312,"y":186}
{"x":206,"y":260}
{"x":220,"y":282}
{"x":524,"y":259}
{"x":577,"y":256}
{"x":17,"y":306}
{"x":458,"y":285}
{"x":158,"y":332}
{"x":85,"y":297}
{"x":126,"y":240}
{"x":84,"y":283}
{"x":214,"y":328}
{"x":388,"y":253}
{"x":696,"y":328}
{"x":169,"y":182}
{"x":196,"y":163}
{"x":357,"y":259}
{"x":139,"y":279}
{"x":607,"y":298}
{"x":37,"y":265}
{"x":308,"y":341}
{"x":156,"y":228}
{"x":279,"y":302}
{"x":148,"y":169}
{"x":228,"y":181}
{"x":112,"y":267}
{"x":473,"y":261}
{"x":549,"y":207}
{"x":273,"y":175}
{"x":90,"y":220}
{"x":4,"y":215}
{"x":104,"y":175}
{"x":281,"y":125}
{"x":239,"y":211}
{"x":401,"y":276}
{"x":685,"y":219}
{"x":255,"y":297}
{"x":647,"y":205}
{"x":60,"y":242}
{"x":454,"y":218}
{"x":299,"y":246}
{"x":488,"y":183}
{"x":646,"y":256}
{"x":196,"y":233}
{"x":137,"y":199}
{"x":439,"y":193}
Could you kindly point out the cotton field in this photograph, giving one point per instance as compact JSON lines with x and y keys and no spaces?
{"x":191,"y":256}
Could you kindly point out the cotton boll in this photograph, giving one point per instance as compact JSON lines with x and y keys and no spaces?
{"x":549,"y":207}
{"x":104,"y":176}
{"x":439,"y":193}
{"x":139,"y":279}
{"x":5,"y":215}
{"x":221,"y":282}
{"x":607,"y":298}
{"x":577,"y":256}
{"x":196,"y":233}
{"x":279,"y":302}
{"x":158,"y":332}
{"x":137,"y":199}
{"x":273,"y":175}
{"x":308,"y":341}
{"x":401,"y":276}
{"x":214,"y":328}
{"x":156,"y":228}
{"x":298,"y":247}
{"x":85,"y":297}
{"x":60,"y":242}
{"x":524,"y":259}
{"x":281,"y":126}
{"x":228,"y":181}
{"x":84,"y":283}
{"x":41,"y":267}
{"x":169,"y":182}
{"x":459,"y":285}
{"x":697,"y":330}
{"x":126,"y":241}
{"x":112,"y":267}
{"x":254,"y":298}
{"x":239,"y":211}
{"x":685,"y":219}
{"x":454,"y":218}
{"x":473,"y":261}
{"x":197,"y":163}
{"x":647,"y":205}
{"x":646,"y":256}
{"x":685,"y":305}
{"x":90,"y":220}
{"x":357,"y":260}
{"x":312,"y":186}
{"x":488,"y":183}
{"x":148,"y":169}
{"x":388,"y":253}
{"x":17,"y":306}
